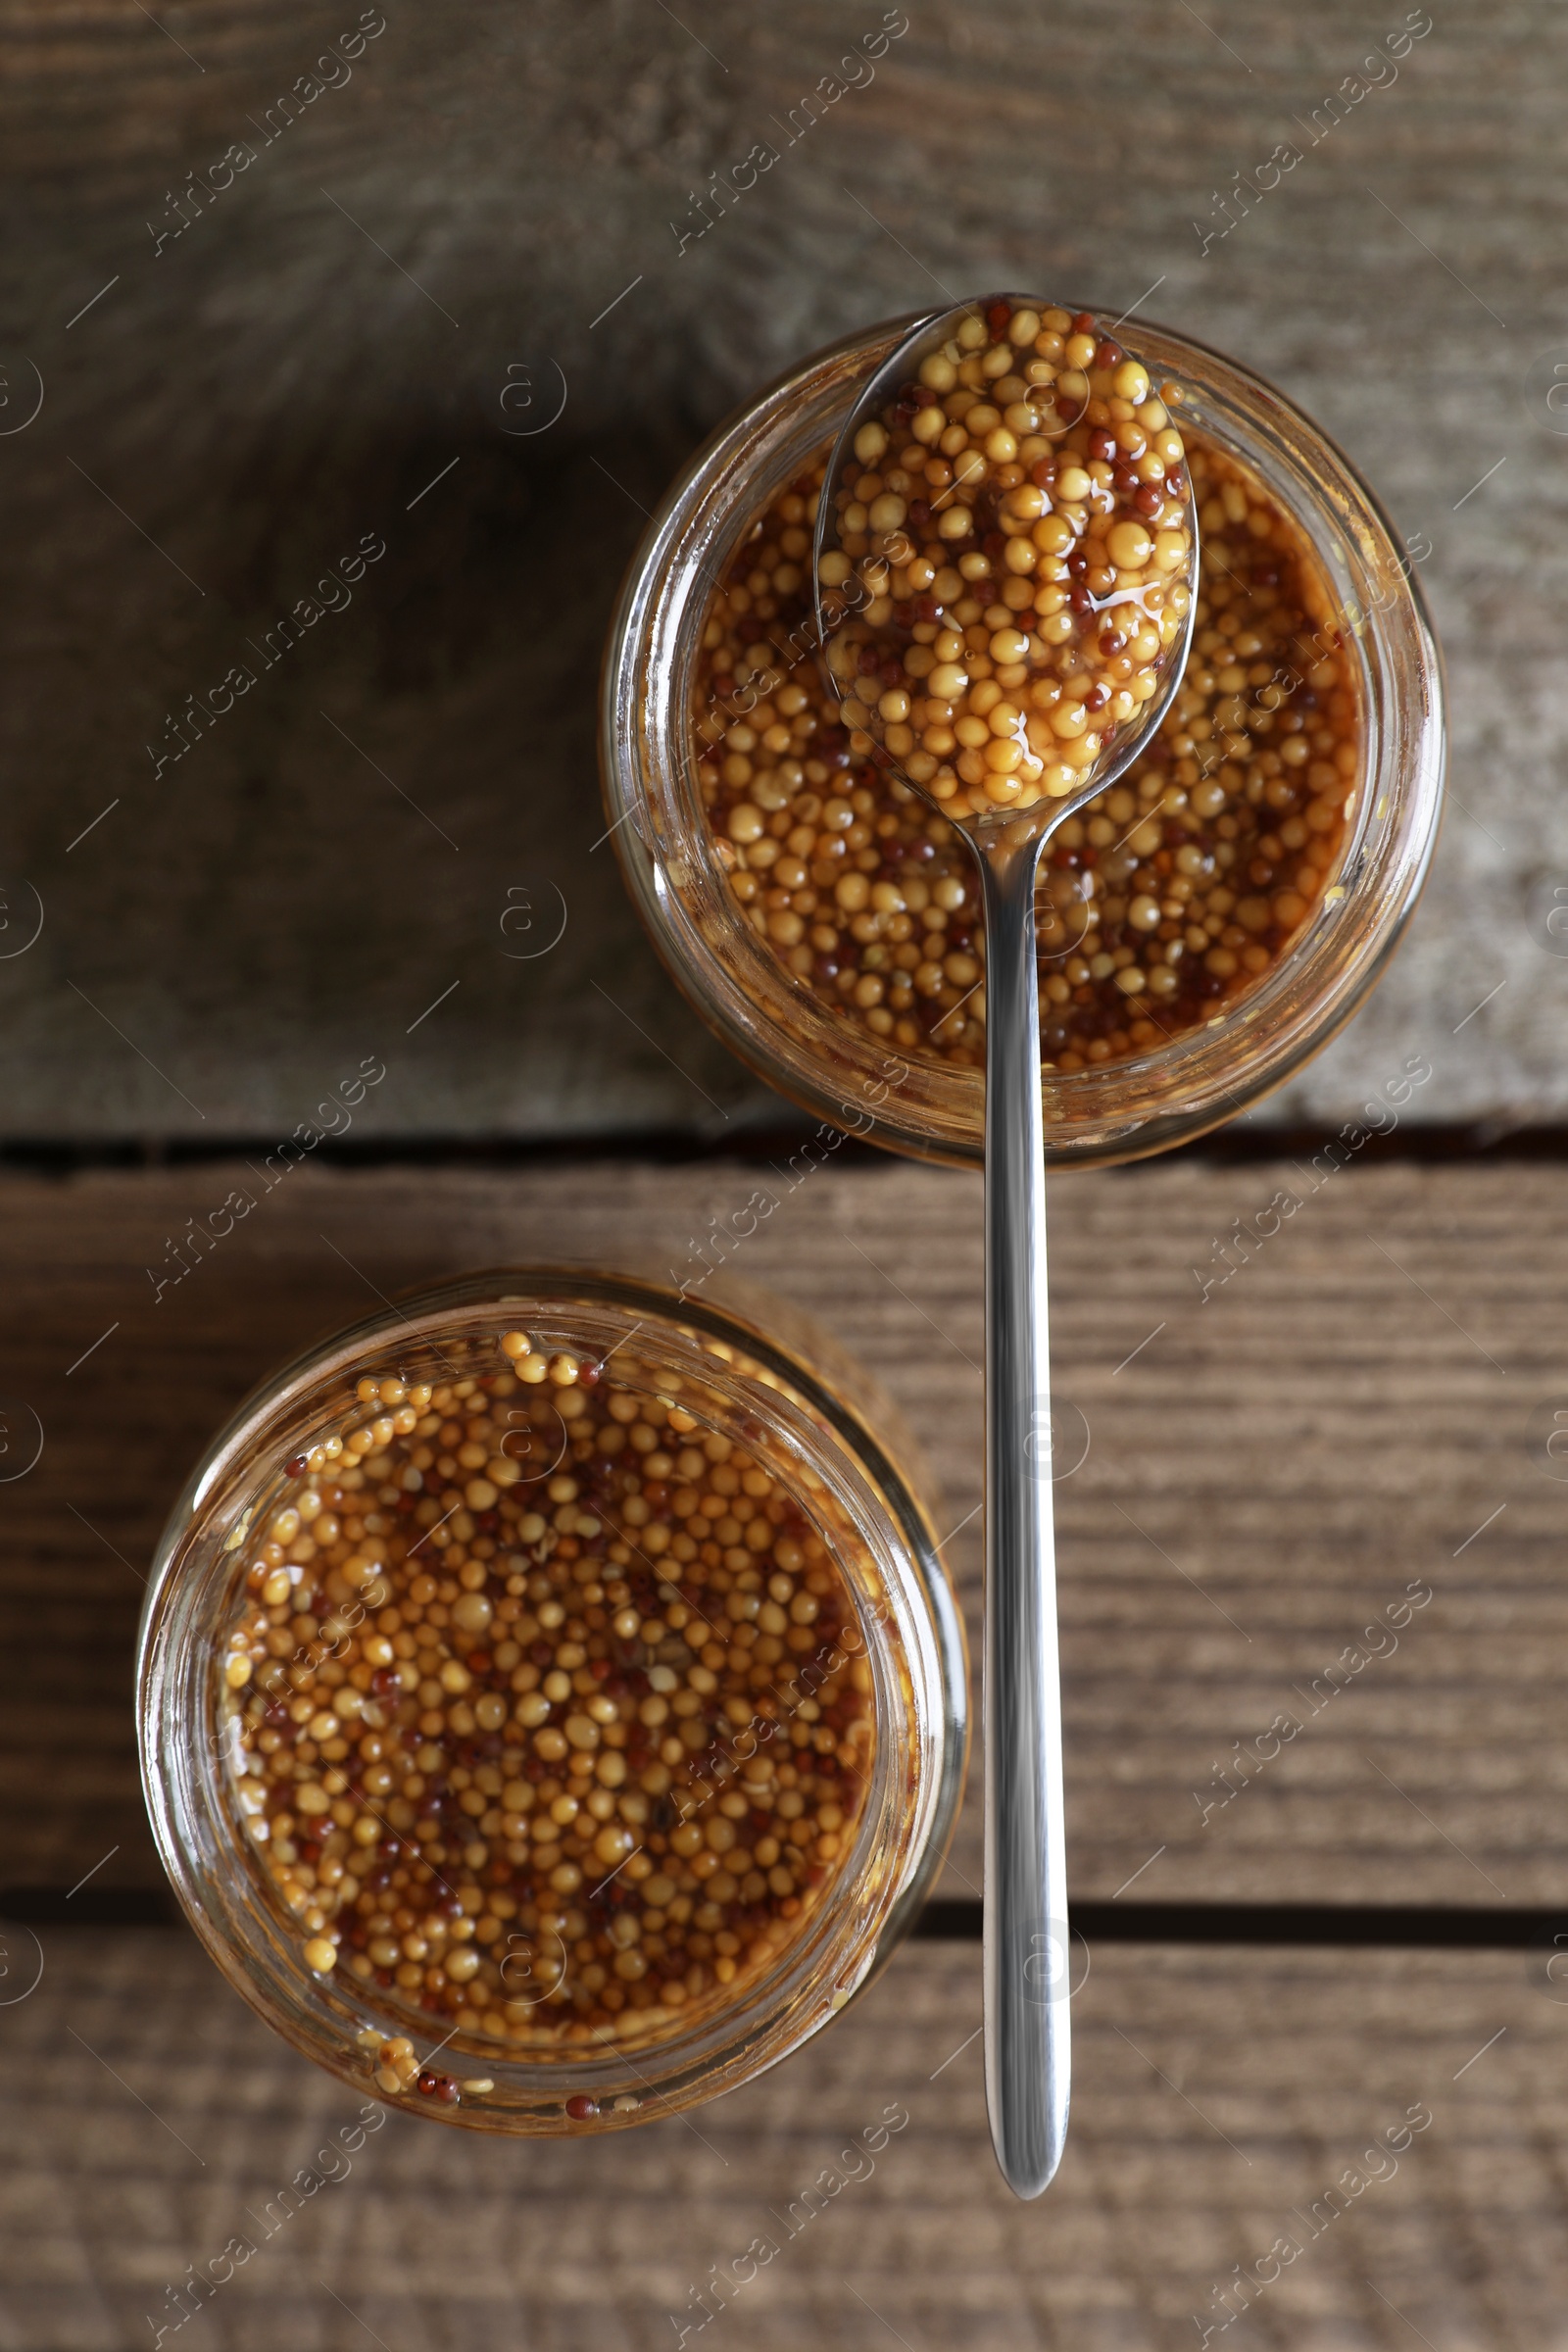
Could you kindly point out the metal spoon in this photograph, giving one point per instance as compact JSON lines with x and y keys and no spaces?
{"x":1027,"y":1933}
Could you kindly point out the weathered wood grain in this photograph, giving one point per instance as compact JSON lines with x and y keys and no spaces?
{"x":1269,"y":1472}
{"x":1220,"y":2099}
{"x":333,"y":332}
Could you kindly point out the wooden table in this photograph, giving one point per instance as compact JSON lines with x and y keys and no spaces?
{"x":366,"y":333}
{"x":355,"y":339}
{"x":1342,"y":1422}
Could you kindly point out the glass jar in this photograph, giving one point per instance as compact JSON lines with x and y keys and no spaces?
{"x":803,"y":1415}
{"x":919,"y":1104}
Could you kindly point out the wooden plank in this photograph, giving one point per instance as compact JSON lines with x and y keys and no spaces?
{"x":1225,"y":2104}
{"x":276,"y":381}
{"x":1269,"y":1471}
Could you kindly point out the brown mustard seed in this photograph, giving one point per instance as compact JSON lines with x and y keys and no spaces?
{"x":1011,"y":579}
{"x":545,"y":1708}
{"x":1160,"y":904}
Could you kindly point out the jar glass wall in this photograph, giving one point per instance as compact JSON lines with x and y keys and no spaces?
{"x":236,"y":1699}
{"x":920,"y":1104}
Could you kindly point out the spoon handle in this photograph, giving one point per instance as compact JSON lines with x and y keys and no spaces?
{"x":1026,"y":1946}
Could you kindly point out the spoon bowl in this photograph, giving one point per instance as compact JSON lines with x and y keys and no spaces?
{"x":850,"y":606}
{"x":1007,"y":721}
